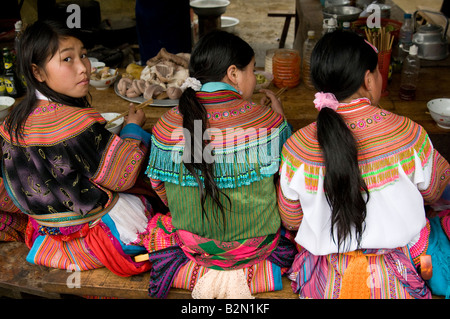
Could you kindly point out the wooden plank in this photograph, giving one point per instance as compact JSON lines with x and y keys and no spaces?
{"x":281,"y":14}
{"x":17,"y":276}
{"x":102,"y":282}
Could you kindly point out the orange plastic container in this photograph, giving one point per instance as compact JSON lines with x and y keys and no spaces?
{"x":286,"y":65}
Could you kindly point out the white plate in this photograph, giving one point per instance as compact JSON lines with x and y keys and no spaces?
{"x":141,"y":99}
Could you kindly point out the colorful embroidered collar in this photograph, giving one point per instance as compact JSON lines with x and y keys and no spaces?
{"x":245,"y":137}
{"x":385,"y":141}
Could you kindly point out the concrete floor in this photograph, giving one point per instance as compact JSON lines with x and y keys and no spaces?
{"x":259,"y":30}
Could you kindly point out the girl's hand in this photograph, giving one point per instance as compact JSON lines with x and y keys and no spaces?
{"x":135,"y":116}
{"x":276,"y":102}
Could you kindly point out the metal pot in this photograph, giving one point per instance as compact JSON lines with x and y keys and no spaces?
{"x":342,"y":13}
{"x":431,"y":40}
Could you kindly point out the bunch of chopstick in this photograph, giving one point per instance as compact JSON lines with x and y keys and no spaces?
{"x":278,"y":94}
{"x":140,"y":106}
{"x":380,"y":38}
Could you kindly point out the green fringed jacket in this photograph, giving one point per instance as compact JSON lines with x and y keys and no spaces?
{"x":246,"y":141}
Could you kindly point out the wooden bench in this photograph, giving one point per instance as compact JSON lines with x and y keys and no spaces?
{"x":20,"y":279}
{"x":287,"y":21}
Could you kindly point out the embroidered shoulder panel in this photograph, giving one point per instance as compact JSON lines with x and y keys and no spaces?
{"x":385,"y":141}
{"x":52,"y":123}
{"x":245,"y":146}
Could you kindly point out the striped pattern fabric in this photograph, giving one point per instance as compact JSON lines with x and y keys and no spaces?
{"x":6,"y":203}
{"x":385,"y":141}
{"x":222,"y":255}
{"x":440,"y":180}
{"x":420,"y":247}
{"x":261,"y":277}
{"x":249,"y":203}
{"x":160,"y":190}
{"x":390,"y":275}
{"x":67,"y":122}
{"x":291,"y":212}
{"x":160,"y":233}
{"x":12,"y":222}
{"x":174,"y":267}
{"x":445,"y":221}
{"x":120,"y":165}
{"x":12,"y":226}
{"x":73,"y":254}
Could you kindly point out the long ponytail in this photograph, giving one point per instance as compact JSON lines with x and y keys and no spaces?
{"x":209,"y":61}
{"x":343,"y":182}
{"x":338,"y":65}
{"x":193,"y":111}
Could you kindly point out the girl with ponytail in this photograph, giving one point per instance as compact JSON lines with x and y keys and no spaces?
{"x":353,"y":183}
{"x":213,"y":161}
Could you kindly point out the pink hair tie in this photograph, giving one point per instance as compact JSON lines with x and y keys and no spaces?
{"x":326,"y":100}
{"x":373,"y":47}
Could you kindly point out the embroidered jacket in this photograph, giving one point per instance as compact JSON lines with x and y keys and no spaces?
{"x":399,"y":165}
{"x":246,"y":144}
{"x":67,"y":167}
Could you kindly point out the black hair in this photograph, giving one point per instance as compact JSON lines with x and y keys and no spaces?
{"x":209,"y":62}
{"x":38,"y":43}
{"x":339,"y":62}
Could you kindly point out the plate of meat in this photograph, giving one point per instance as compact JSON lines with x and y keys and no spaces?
{"x":160,"y":79}
{"x":166,"y":102}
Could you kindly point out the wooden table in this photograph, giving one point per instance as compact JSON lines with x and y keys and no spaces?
{"x":300,"y":111}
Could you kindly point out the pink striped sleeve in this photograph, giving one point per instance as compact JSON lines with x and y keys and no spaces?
{"x":120,"y":164}
{"x":291,"y":212}
{"x":440,"y":178}
{"x":6,"y":204}
{"x":160,"y":189}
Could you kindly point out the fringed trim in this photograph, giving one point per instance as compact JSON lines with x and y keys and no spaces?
{"x":233,"y":167}
{"x":377,"y":173}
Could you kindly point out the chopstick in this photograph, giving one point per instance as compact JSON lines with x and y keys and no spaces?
{"x":278,"y":94}
{"x":381,"y":39}
{"x":140,"y":106}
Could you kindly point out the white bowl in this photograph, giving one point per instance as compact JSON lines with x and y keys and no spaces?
{"x":213,"y":8}
{"x":440,"y":111}
{"x":97,"y":65}
{"x":106,"y":83}
{"x":115,"y":126}
{"x":265,"y":75}
{"x":228,"y":23}
{"x":5,"y":106}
